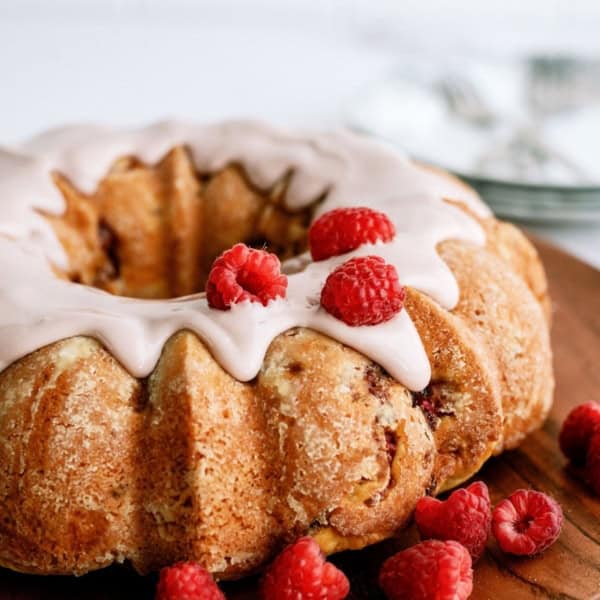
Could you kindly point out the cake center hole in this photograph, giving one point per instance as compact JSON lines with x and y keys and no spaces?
{"x":153,"y":231}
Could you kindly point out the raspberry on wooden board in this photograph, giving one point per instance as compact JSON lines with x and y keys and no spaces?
{"x":466,"y":517}
{"x":431,"y":570}
{"x":577,"y":429}
{"x":187,"y":581}
{"x":592,"y":465}
{"x":527,"y":522}
{"x":301,"y":572}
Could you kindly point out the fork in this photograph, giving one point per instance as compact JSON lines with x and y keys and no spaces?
{"x":464,"y":100}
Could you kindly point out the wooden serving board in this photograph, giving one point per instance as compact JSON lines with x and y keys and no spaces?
{"x":568,"y":570}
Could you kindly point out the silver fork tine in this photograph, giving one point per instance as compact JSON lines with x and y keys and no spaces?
{"x":463,"y":100}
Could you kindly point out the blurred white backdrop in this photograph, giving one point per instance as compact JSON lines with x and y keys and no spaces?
{"x":127,"y":61}
{"x":289,"y":61}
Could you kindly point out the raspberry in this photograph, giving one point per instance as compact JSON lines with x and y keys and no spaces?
{"x":592,"y":465}
{"x":527,"y":522}
{"x":244,"y":274}
{"x":363,"y":291}
{"x":577,"y":430}
{"x":344,"y":229}
{"x":466,"y":517}
{"x":302,"y":573}
{"x":431,"y":570}
{"x":187,"y":581}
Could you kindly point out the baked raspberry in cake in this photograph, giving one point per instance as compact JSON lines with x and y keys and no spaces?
{"x":144,"y":420}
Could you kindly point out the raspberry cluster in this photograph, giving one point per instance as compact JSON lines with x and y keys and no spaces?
{"x":525,"y":523}
{"x":361,"y":291}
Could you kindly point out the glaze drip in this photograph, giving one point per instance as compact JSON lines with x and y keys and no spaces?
{"x":37,"y":308}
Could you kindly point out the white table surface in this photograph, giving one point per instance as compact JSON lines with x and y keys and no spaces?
{"x":289,"y":61}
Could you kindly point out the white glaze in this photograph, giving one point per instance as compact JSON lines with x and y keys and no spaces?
{"x":36,"y":308}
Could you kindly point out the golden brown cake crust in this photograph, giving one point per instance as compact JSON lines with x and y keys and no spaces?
{"x":98,"y":467}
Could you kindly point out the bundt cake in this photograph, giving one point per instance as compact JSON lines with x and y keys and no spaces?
{"x":139,"y":424}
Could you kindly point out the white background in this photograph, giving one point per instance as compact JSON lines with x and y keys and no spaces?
{"x":289,"y":61}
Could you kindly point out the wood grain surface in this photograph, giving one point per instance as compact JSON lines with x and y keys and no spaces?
{"x":568,"y":570}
